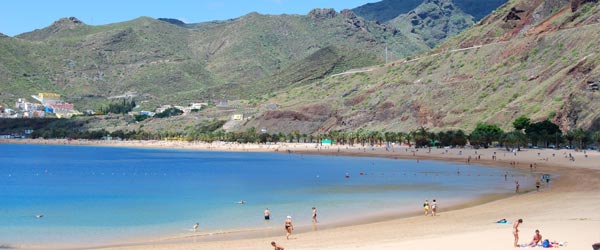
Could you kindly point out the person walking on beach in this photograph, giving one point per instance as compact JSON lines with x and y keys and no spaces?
{"x":289,"y":227}
{"x":516,"y":231}
{"x":275,"y":246}
{"x":314,"y":215}
{"x":517,"y":185}
{"x":267,"y":214}
{"x":426,"y":207}
{"x":537,"y":185}
{"x":434,"y":208}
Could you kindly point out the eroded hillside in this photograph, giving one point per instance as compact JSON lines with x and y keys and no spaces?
{"x":534,"y":58}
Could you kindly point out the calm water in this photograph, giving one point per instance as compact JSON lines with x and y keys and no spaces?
{"x":100,"y":195}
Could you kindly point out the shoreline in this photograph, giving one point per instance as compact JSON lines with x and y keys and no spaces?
{"x":584,"y":168}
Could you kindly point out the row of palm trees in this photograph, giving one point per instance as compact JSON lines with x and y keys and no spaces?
{"x":421,"y":137}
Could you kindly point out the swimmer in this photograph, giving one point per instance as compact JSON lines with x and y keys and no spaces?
{"x":241,"y":202}
{"x":39,"y":216}
{"x":267,"y":214}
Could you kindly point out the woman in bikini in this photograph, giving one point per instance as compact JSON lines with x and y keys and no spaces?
{"x":288,"y":227}
{"x":516,"y":231}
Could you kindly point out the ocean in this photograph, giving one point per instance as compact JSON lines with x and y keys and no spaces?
{"x":110,"y":195}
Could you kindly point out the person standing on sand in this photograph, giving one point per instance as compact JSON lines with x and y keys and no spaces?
{"x":434,"y":208}
{"x":516,"y":231}
{"x":517,"y":185}
{"x":267,"y":214}
{"x":314,"y":215}
{"x":426,"y":207}
{"x":275,"y":246}
{"x":289,"y":227}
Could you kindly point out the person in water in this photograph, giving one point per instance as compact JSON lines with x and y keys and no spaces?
{"x":314,"y":215}
{"x":196,"y":226}
{"x":267,"y":214}
{"x":289,"y":227}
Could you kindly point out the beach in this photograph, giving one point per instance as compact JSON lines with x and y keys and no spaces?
{"x":566,"y":210}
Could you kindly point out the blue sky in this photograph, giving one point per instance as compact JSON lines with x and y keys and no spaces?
{"x":27,"y":15}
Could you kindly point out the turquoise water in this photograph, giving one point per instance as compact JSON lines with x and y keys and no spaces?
{"x":101,"y":195}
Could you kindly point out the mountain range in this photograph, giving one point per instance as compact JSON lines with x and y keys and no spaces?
{"x":529,"y":58}
{"x":326,"y":70}
{"x":168,"y":61}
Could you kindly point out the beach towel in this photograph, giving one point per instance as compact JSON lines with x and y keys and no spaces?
{"x":502,"y":221}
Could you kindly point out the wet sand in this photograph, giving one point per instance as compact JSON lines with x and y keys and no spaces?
{"x":567,"y":210}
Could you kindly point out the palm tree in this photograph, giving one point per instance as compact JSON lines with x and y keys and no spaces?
{"x":570,"y":136}
{"x":351,"y":136}
{"x":579,"y":135}
{"x":596,"y":137}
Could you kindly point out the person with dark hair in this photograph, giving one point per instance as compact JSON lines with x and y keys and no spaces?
{"x":516,"y":231}
{"x":434,"y":208}
{"x":314,"y":215}
{"x":275,"y":246}
{"x":537,"y":238}
{"x":596,"y":246}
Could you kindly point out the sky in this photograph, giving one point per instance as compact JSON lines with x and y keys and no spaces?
{"x":27,"y":15}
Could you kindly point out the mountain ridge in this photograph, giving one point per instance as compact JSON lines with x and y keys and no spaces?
{"x":538,"y":65}
{"x":117,"y":58}
{"x":387,"y":10}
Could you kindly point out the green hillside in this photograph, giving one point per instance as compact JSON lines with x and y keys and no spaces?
{"x":160,"y":62}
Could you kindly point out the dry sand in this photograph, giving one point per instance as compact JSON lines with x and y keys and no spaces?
{"x":568,"y":210}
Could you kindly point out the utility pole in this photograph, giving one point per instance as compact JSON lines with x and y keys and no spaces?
{"x":386,"y":54}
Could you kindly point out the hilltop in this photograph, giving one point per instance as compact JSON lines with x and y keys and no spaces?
{"x":387,"y":10}
{"x":533,"y":58}
{"x":165,"y":61}
{"x":434,"y":21}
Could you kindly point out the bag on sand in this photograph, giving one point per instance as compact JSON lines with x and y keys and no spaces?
{"x":546,"y":244}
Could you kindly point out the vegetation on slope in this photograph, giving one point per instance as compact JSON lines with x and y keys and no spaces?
{"x":538,"y":66}
{"x":165,"y":63}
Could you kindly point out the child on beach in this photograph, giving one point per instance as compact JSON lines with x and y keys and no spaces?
{"x":426,"y":207}
{"x":275,"y":246}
